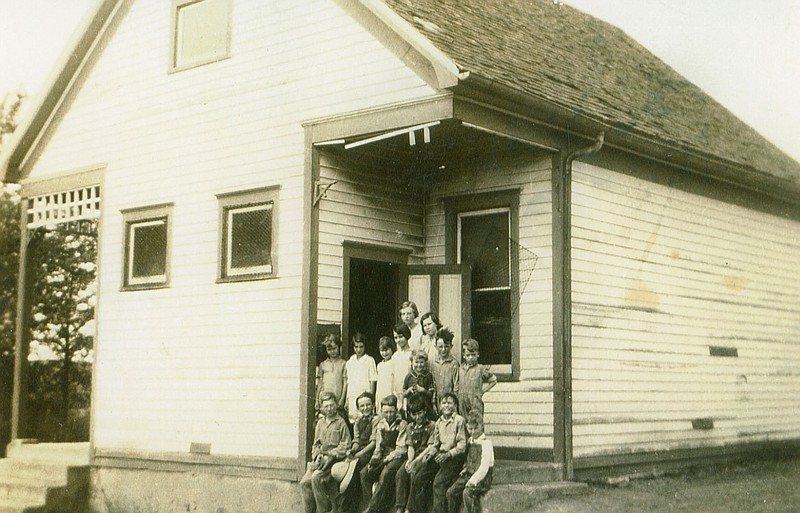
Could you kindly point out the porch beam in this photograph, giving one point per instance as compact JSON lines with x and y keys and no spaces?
{"x":63,"y":182}
{"x":398,"y":115}
{"x":506,"y":123}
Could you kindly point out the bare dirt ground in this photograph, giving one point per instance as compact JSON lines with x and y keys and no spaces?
{"x":755,"y":487}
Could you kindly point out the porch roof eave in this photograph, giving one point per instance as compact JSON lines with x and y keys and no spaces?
{"x":358,"y":123}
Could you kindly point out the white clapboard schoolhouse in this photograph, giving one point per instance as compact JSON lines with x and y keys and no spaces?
{"x":626,"y":251}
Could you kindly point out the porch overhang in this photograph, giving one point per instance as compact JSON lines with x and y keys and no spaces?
{"x":442,"y":111}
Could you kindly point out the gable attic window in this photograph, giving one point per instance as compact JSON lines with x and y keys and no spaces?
{"x":147,"y":245}
{"x":248,"y":235}
{"x":201,"y":32}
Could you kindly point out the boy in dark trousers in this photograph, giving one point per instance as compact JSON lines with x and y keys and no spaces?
{"x":476,"y":477}
{"x":362,"y":447}
{"x":419,"y":435}
{"x":444,"y":458}
{"x":390,"y":453}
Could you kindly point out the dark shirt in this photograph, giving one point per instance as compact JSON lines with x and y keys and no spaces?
{"x":390,"y":439}
{"x":362,"y":430}
{"x":419,"y":436}
{"x":426,"y":382}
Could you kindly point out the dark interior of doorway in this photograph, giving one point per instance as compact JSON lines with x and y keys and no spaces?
{"x":372,"y":302}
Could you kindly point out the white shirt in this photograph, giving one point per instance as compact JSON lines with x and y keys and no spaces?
{"x":487,"y":459}
{"x":416,"y":334}
{"x":385,"y":380}
{"x":361,"y":372}
{"x":401,"y":361}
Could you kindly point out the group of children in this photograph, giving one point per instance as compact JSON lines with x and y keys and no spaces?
{"x":426,"y":442}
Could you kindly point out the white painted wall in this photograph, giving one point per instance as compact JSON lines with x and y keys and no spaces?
{"x":518,"y":414}
{"x":200,"y":361}
{"x":658,"y":276}
{"x":368,"y":204}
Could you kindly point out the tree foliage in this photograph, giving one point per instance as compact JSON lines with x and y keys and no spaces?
{"x":62,"y":274}
{"x":9,"y":114}
{"x":64,"y":288}
{"x":9,"y":230}
{"x":9,"y":265}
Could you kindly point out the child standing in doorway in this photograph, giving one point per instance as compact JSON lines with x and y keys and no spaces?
{"x":401,"y":362}
{"x":331,"y":373}
{"x":385,"y":387}
{"x":362,"y":375}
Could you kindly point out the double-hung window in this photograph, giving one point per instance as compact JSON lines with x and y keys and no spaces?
{"x":481,"y":232}
{"x":201,"y":32}
{"x":147,"y":247}
{"x":248,"y":234}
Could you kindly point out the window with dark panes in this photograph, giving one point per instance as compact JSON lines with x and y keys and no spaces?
{"x":248,"y":234}
{"x":483,"y":243}
{"x":146,"y":247}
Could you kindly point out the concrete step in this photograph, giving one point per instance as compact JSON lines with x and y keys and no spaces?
{"x":513,"y":472}
{"x":22,"y":489}
{"x":14,"y":506}
{"x":44,"y":478}
{"x":71,"y":454}
{"x":513,"y":498}
{"x":53,"y":474}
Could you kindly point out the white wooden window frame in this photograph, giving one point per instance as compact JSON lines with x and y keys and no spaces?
{"x":247,"y":201}
{"x":141,"y":218}
{"x":505,"y":200}
{"x":501,"y":368}
{"x":479,"y":213}
{"x":176,"y":60}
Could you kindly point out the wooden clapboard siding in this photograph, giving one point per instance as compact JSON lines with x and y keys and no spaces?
{"x":368,"y":204}
{"x":201,"y":361}
{"x":518,"y":414}
{"x":521,"y":410}
{"x":659,"y":276}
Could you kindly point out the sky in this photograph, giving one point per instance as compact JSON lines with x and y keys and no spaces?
{"x":744,"y":53}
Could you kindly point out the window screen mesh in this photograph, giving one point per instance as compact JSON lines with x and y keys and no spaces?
{"x":251,"y":238}
{"x":149,"y":249}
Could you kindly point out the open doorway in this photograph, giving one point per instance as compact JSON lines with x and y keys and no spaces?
{"x":372,"y":300}
{"x":372,"y":291}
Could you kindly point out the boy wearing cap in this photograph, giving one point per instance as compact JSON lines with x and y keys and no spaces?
{"x":331,"y":442}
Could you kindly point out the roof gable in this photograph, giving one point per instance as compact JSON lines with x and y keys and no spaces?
{"x":561,"y":55}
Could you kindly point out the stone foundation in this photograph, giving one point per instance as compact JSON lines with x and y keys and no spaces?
{"x":120,"y":490}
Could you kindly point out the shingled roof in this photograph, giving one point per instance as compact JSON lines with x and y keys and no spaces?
{"x":549,"y":52}
{"x":582,"y":64}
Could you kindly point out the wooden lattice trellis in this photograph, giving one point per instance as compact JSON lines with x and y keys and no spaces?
{"x":60,"y":208}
